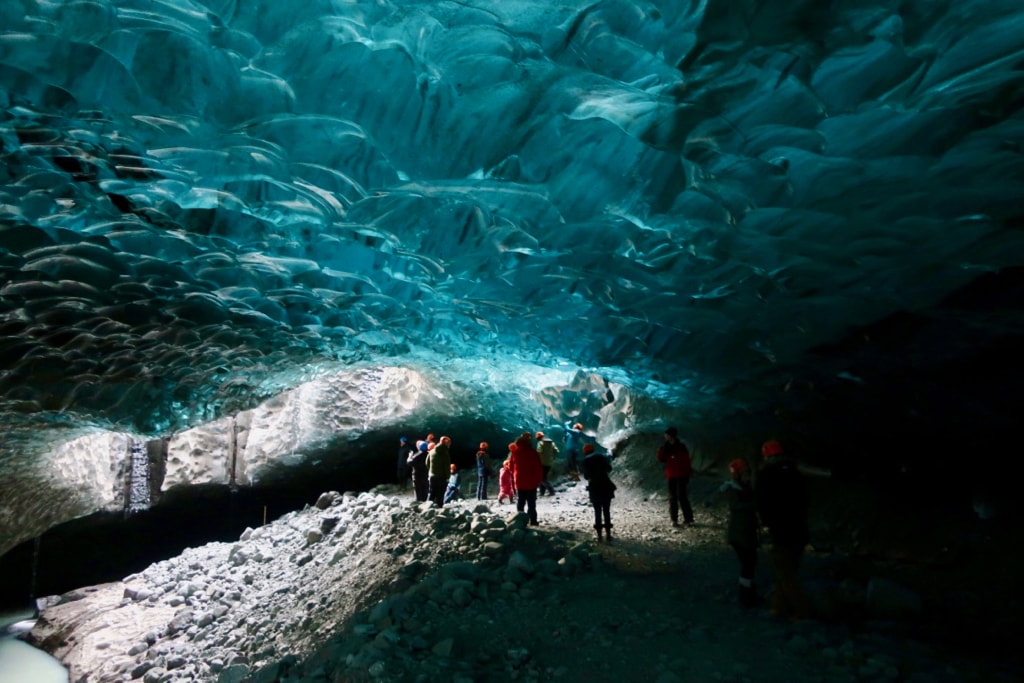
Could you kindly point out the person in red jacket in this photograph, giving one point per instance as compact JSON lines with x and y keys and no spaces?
{"x":675,"y":457}
{"x":527,"y":474}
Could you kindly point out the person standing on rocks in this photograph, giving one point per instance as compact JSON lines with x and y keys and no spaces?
{"x":527,"y":473}
{"x":741,"y":531}
{"x":675,"y":458}
{"x":484,"y":470}
{"x":439,"y":463}
{"x":547,"y":450}
{"x":782,"y":502}
{"x":573,"y":448}
{"x":601,"y":488}
{"x":418,"y":464}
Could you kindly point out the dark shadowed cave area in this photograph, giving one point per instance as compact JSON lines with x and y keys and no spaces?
{"x":257,"y":243}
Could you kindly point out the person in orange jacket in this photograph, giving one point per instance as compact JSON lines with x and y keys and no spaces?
{"x":675,"y":458}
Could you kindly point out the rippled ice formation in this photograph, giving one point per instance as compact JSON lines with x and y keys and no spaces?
{"x":205,"y":204}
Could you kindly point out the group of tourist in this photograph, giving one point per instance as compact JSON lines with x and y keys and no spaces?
{"x":429,"y":464}
{"x":777,"y":503}
{"x":525,"y":472}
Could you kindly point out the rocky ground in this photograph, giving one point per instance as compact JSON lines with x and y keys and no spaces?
{"x":375,"y":587}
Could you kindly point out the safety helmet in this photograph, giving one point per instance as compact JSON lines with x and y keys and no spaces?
{"x":771,"y":448}
{"x":738,"y":466}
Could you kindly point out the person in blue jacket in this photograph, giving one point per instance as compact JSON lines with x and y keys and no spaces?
{"x":452,"y":491}
{"x":573,"y":447}
{"x":484,"y":471}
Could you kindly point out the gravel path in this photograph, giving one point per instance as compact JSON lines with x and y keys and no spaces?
{"x":376,"y":587}
{"x":661,"y":606}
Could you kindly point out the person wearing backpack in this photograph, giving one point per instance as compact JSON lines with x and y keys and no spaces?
{"x":547,"y":450}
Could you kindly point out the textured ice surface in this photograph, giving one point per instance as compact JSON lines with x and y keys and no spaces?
{"x":730,"y":207}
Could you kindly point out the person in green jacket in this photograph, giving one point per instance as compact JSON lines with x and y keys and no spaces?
{"x":439,"y":462}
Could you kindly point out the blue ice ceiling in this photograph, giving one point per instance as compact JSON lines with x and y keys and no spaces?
{"x":731,"y":206}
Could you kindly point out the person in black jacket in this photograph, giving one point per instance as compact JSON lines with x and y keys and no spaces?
{"x":596,"y":470}
{"x":741,"y":532}
{"x":418,"y":463}
{"x":782,"y":504}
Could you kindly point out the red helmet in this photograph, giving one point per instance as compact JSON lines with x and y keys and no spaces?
{"x":540,"y":435}
{"x":738,"y":466}
{"x":588,"y":448}
{"x":771,"y":448}
{"x":483,"y":445}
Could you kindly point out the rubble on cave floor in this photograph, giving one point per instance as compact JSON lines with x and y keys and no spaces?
{"x":377,"y":587}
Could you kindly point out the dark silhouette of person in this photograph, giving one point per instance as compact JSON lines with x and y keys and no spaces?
{"x":405,"y":450}
{"x":782,"y":501}
{"x":597,"y":469}
{"x":742,"y":529}
{"x":418,"y":463}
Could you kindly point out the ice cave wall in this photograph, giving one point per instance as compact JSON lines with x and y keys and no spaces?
{"x":757,"y":216}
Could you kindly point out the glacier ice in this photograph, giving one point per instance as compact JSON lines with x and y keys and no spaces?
{"x":724,"y":206}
